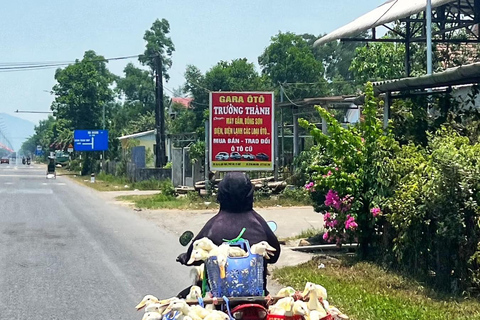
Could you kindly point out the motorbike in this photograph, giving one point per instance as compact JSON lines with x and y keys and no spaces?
{"x":238,"y":308}
{"x":23,"y":161}
{"x":28,"y":162}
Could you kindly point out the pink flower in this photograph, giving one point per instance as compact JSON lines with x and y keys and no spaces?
{"x":332,"y":200}
{"x":309,"y":185}
{"x":326,"y":216}
{"x":375,"y":211}
{"x":363,"y":140}
{"x":350,"y":223}
{"x":325,"y":236}
{"x":336,"y":169}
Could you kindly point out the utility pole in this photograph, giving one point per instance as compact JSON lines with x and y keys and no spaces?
{"x":282,"y":128}
{"x":160,"y":156}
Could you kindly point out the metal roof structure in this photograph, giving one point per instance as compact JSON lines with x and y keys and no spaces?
{"x":448,"y":16}
{"x":318,"y":100}
{"x":446,"y":11}
{"x":465,"y":74}
{"x":137,"y":135}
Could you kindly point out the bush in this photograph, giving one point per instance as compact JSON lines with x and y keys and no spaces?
{"x":150,"y":184}
{"x":167,"y":188}
{"x":434,"y":211}
{"x":296,"y":195}
{"x":347,"y":175}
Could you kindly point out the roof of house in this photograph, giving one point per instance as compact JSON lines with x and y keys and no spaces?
{"x":184,"y":101}
{"x":389,"y":11}
{"x":454,"y":76}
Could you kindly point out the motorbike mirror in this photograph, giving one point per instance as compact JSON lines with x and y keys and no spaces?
{"x":185,"y":238}
{"x":272,"y":225}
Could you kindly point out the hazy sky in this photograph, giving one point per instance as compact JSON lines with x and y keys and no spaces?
{"x":204,"y":32}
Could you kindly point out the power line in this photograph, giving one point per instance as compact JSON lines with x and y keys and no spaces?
{"x":26,"y":66}
{"x":289,"y":98}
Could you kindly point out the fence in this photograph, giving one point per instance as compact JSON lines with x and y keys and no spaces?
{"x":135,"y":174}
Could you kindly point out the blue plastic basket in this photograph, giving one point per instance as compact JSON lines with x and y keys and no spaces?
{"x":244,"y":275}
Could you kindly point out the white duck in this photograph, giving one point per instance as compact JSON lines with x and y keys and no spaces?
{"x":300,"y":308}
{"x":319,"y":290}
{"x":217,"y":315}
{"x":221,"y":253}
{"x":147,"y":300}
{"x":195,"y":293}
{"x":152,"y":316}
{"x":316,"y":315}
{"x":204,"y":244}
{"x":156,"y":307}
{"x":198,"y":255}
{"x":283,"y":307}
{"x":184,"y":309}
{"x":312,"y":290}
{"x":263,"y":249}
{"x":286,"y":292}
{"x":236,"y":252}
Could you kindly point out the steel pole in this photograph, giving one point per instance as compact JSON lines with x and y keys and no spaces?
{"x":429,"y":36}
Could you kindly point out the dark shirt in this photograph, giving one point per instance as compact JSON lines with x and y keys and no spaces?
{"x":227,"y":225}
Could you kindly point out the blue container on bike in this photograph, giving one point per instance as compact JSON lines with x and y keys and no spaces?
{"x":243,"y":275}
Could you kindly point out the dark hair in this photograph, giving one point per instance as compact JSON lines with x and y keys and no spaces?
{"x":235,"y":193}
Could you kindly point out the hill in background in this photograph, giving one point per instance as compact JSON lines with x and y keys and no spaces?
{"x":16,"y":130}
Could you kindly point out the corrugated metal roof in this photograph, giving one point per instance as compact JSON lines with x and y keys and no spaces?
{"x":465,"y":74}
{"x":390,"y":11}
{"x":137,"y":135}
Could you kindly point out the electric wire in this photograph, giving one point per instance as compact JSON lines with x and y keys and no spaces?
{"x":27,"y":66}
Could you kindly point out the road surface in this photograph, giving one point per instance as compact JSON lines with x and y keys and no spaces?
{"x":67,"y":254}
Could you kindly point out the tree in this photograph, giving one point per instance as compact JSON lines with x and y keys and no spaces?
{"x":158,"y":42}
{"x":379,"y":61}
{"x":289,"y":59}
{"x":336,"y":57}
{"x":184,"y":121}
{"x":83,"y":89}
{"x":235,"y":75}
{"x":138,"y":87}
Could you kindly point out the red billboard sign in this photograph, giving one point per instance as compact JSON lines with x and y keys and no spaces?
{"x":241,"y":131}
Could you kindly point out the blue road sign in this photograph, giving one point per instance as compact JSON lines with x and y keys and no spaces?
{"x":90,"y":140}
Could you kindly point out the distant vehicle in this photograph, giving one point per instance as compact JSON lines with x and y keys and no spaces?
{"x":221,"y":156}
{"x":248,"y":156}
{"x":235,"y":156}
{"x":5,"y":160}
{"x":61,"y":158}
{"x":262,"y":156}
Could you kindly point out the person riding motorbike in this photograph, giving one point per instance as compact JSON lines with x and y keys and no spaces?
{"x":23,"y":160}
{"x":235,"y":196}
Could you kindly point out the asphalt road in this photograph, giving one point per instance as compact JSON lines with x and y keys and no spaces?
{"x":67,"y":254}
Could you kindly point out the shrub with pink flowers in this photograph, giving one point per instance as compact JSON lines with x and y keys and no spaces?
{"x":348,"y":175}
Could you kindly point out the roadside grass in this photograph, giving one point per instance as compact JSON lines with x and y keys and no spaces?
{"x":161,"y":201}
{"x":364,"y":291}
{"x":193,"y":201}
{"x":102,"y":182}
{"x":106,"y":182}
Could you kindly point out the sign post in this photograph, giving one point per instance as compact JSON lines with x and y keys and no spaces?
{"x":90,"y":140}
{"x":241,"y":131}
